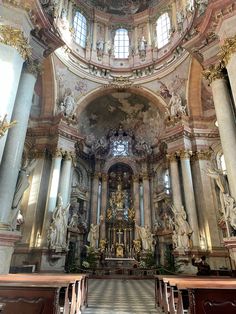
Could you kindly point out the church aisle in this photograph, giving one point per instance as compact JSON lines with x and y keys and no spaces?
{"x":117,"y":296}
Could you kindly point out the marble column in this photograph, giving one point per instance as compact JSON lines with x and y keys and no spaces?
{"x":65,"y":178}
{"x":70,"y":16}
{"x":11,"y":160}
{"x":190,"y":205}
{"x":136,"y":199}
{"x":94,"y":204}
{"x":148,"y":33}
{"x":13,"y":51}
{"x":146,"y":200}
{"x":103,"y":204}
{"x":175,"y":181}
{"x":52,"y":193}
{"x":229,"y":58}
{"x":205,"y":200}
{"x":226,"y":122}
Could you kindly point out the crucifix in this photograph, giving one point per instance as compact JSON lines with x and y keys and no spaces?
{"x":119,"y":236}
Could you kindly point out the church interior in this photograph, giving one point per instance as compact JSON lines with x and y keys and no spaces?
{"x":117,"y":152}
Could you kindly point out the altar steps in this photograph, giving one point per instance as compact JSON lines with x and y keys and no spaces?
{"x":117,"y":296}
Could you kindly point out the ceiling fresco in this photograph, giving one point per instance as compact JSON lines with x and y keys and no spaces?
{"x":122,"y":108}
{"x":122,"y":7}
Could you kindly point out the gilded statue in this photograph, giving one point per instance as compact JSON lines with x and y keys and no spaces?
{"x":137,"y":246}
{"x":131,"y":213}
{"x":117,"y":198}
{"x":109,"y":214}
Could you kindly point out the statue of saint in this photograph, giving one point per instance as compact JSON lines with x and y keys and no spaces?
{"x":58,"y":227}
{"x":22,"y":185}
{"x":182,"y":228}
{"x":68,"y":103}
{"x":175,"y":105}
{"x":119,"y":197}
{"x":137,"y":246}
{"x":93,"y":235}
{"x":74,"y":221}
{"x":146,"y":237}
{"x":230,"y":209}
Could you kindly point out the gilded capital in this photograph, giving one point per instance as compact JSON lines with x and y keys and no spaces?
{"x":104,"y":177}
{"x":171,"y":157}
{"x":184,"y":154}
{"x":227,"y":49}
{"x":33,"y":67}
{"x":202,"y":155}
{"x":58,"y":153}
{"x":67,"y":155}
{"x":214,"y":72}
{"x":14,"y":37}
{"x":135,"y":178}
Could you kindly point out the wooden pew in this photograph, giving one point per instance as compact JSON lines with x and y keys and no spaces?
{"x":171,"y":300}
{"x":78,"y":288}
{"x":209,"y":296}
{"x":43,"y":297}
{"x":75,"y":293}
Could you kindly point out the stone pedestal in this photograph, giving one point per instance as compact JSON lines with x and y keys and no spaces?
{"x":184,"y":262}
{"x":7,"y":241}
{"x":230,"y":244}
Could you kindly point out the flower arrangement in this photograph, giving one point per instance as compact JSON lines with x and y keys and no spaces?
{"x":142,"y":264}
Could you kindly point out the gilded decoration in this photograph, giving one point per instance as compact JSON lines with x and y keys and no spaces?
{"x":14,"y":37}
{"x":202,"y":155}
{"x":184,"y":154}
{"x":120,"y":82}
{"x":228,"y":48}
{"x":214,"y":72}
{"x":57,"y":153}
{"x":171,"y":157}
{"x":33,"y":67}
{"x":4,"y":125}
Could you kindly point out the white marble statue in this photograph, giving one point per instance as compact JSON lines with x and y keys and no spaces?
{"x":21,"y":186}
{"x":218,"y":176}
{"x":230,"y":209}
{"x":142,"y":46}
{"x":202,"y":6}
{"x":68,"y":104}
{"x":93,"y":235}
{"x":176,"y":106}
{"x":58,"y":228}
{"x":100,"y":47}
{"x":74,"y":221}
{"x":146,"y":237}
{"x":182,"y":228}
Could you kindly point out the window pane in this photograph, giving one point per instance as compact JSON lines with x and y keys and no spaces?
{"x":163,"y":30}
{"x":80,"y":27}
{"x":121,"y":43}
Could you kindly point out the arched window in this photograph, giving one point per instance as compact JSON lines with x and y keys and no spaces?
{"x":80,"y":27}
{"x":163,"y":30}
{"x":121,"y":43}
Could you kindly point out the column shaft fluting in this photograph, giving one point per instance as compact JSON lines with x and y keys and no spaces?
{"x":189,"y":197}
{"x":12,"y":155}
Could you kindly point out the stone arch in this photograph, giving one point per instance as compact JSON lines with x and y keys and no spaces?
{"x":121,"y":160}
{"x":101,"y":91}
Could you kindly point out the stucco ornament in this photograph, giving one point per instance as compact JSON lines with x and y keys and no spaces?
{"x":176,"y":106}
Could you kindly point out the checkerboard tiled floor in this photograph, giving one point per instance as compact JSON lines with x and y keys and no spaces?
{"x":117,"y":296}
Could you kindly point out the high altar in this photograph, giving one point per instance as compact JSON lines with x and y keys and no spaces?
{"x":120,"y":218}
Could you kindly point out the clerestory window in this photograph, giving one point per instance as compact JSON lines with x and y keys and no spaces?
{"x":80,"y":28}
{"x":163,"y":30}
{"x":121,"y":44}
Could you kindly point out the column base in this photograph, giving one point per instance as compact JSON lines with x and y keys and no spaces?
{"x":230,"y":244}
{"x":7,"y":241}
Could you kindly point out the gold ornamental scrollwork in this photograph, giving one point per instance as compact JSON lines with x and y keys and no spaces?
{"x":4,"y":125}
{"x":58,"y":153}
{"x":33,"y":67}
{"x":214,"y":72}
{"x":184,"y":154}
{"x":120,"y":82}
{"x":171,"y":157}
{"x":14,"y":37}
{"x":227,"y":49}
{"x":202,"y":155}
